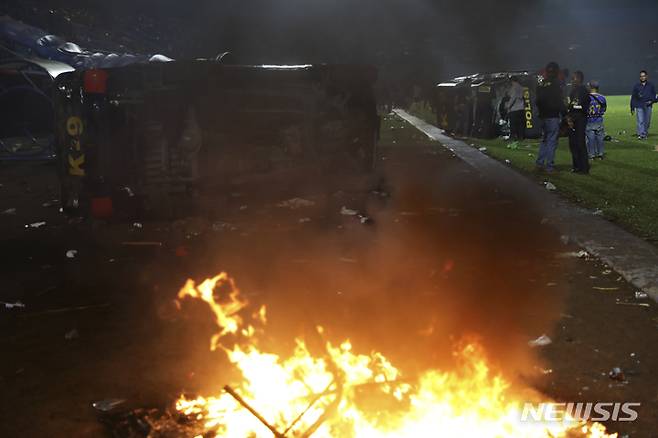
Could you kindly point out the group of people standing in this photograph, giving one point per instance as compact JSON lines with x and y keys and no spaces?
{"x":583,"y":114}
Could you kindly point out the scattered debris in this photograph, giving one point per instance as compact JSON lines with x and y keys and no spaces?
{"x":549,"y":186}
{"x":295,"y":203}
{"x":597,"y":212}
{"x":71,"y":253}
{"x":224,"y":226}
{"x":582,"y":254}
{"x":35,"y":225}
{"x":634,"y":304}
{"x":507,"y":161}
{"x":641,"y":295}
{"x":564,"y":239}
{"x":304,"y":220}
{"x":606,"y":272}
{"x":137,"y":225}
{"x":605,"y":289}
{"x":9,"y":211}
{"x":347,"y":260}
{"x":108,"y":405}
{"x":141,"y":243}
{"x":129,"y":191}
{"x":71,"y":335}
{"x":569,"y":254}
{"x":16,"y":305}
{"x":541,"y":341}
{"x":482,"y":149}
{"x":50,"y":203}
{"x":348,"y":211}
{"x":617,"y":374}
{"x":381,"y":193}
{"x":67,"y":309}
{"x":243,"y":207}
{"x":551,"y":284}
{"x":364,"y":219}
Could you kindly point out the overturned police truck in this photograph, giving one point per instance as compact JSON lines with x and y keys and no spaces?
{"x":160,"y":132}
{"x":476,"y":105}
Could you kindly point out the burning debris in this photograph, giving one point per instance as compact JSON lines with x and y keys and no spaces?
{"x":338,"y":392}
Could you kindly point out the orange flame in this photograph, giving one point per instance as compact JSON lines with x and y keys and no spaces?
{"x":345,"y":394}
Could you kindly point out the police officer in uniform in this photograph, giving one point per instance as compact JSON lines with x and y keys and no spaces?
{"x":577,"y":121}
{"x":550,"y":103}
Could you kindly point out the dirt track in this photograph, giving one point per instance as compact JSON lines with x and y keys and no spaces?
{"x":445,"y":251}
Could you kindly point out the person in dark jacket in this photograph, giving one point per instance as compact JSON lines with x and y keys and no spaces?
{"x":550,"y":104}
{"x":642,"y":100}
{"x":577,"y":120}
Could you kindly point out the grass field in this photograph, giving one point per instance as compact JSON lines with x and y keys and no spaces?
{"x":624,"y":186}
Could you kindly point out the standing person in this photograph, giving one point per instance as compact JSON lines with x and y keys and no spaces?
{"x":577,"y":120}
{"x":550,"y":105}
{"x":515,"y":109}
{"x":595,"y":132}
{"x":643,"y":97}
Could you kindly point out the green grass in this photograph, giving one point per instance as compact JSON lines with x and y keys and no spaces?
{"x":624,"y":186}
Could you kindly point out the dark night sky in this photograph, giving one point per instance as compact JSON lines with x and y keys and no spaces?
{"x":411,"y":40}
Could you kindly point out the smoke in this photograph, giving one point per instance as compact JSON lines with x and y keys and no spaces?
{"x":448,"y":258}
{"x":413,"y":42}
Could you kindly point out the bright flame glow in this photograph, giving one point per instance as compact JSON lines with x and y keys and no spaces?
{"x":342,"y":394}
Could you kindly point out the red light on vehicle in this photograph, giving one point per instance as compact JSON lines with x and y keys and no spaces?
{"x":95,"y":81}
{"x":101,"y":208}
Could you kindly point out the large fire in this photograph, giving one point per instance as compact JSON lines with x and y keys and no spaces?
{"x":341,"y":393}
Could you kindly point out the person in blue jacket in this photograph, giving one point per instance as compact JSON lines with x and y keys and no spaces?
{"x":642,"y":99}
{"x":595,"y":131}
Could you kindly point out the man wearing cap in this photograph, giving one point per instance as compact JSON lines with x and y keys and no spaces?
{"x":595,"y":132}
{"x":642,"y":99}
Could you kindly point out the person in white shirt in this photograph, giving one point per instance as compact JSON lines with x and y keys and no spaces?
{"x":515,"y":109}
